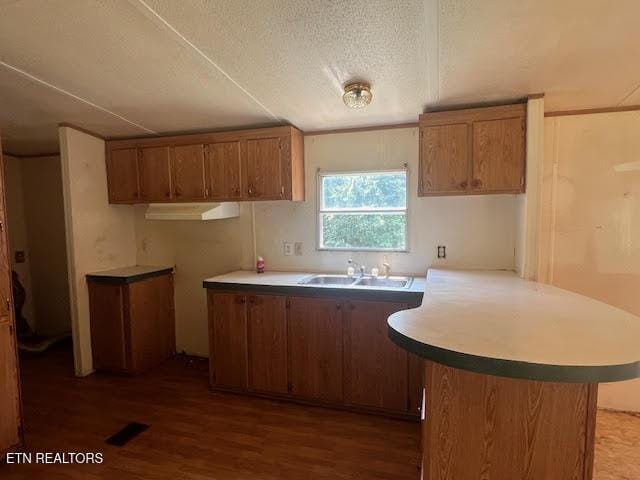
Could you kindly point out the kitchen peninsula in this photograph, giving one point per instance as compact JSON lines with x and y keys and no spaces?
{"x":511,"y":369}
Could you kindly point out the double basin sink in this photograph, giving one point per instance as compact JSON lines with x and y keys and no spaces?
{"x":358,"y":281}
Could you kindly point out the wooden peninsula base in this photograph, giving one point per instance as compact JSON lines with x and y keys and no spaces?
{"x":480,"y":426}
{"x":511,"y":374}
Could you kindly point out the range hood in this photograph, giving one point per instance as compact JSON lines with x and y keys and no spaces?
{"x":192,"y":211}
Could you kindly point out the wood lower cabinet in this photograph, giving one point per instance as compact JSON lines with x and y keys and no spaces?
{"x":228,"y":340}
{"x":315,"y":348}
{"x":312,"y":349}
{"x":251,"y":165}
{"x":377,"y":369}
{"x":473,"y":151}
{"x":132,"y":324}
{"x":267,"y":343}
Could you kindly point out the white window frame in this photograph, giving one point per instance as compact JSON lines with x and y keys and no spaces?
{"x":320,"y":211}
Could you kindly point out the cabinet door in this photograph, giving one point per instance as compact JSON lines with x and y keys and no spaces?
{"x":223,"y":166}
{"x":315,"y":348}
{"x":187,"y":169}
{"x":154,"y":169}
{"x":9,"y":388}
{"x":498,"y":155}
{"x":228,"y":330}
{"x":122,"y":175}
{"x":444,"y":159}
{"x":267,"y":343}
{"x":377,"y":369}
{"x":150,"y":322}
{"x":264,"y":169}
{"x":106,"y":309}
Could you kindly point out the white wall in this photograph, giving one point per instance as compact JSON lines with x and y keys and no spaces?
{"x":100,"y":236}
{"x":44,"y":214}
{"x":198,"y":249}
{"x":478,"y":231}
{"x":17,"y":227}
{"x":590,"y":229}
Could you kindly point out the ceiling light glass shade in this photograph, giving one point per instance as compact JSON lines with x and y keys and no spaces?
{"x":357,"y":95}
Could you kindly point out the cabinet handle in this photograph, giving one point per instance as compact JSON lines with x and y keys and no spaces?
{"x":338,"y":307}
{"x":282,"y":191}
{"x":241,"y":300}
{"x":463,"y":184}
{"x":250,"y":191}
{"x":206,"y":192}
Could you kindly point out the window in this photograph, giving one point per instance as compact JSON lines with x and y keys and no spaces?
{"x":363,"y":211}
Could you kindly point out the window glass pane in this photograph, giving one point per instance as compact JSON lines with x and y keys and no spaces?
{"x":364,"y":191}
{"x":362,"y":230}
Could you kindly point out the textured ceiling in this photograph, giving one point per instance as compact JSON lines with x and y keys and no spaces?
{"x":139,"y":67}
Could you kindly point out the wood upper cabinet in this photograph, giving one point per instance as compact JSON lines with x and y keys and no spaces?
{"x":267,"y":326}
{"x":498,"y":155}
{"x":264,"y":169}
{"x":444,"y":153}
{"x":473,"y":151}
{"x":154,"y":170}
{"x":376,"y":369}
{"x":223,"y":162}
{"x":228,"y":340}
{"x":122,"y":175}
{"x":188,"y":173}
{"x":315,"y":348}
{"x":263,"y":164}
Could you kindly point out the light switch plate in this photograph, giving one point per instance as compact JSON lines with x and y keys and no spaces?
{"x":298,"y":249}
{"x":288,"y":248}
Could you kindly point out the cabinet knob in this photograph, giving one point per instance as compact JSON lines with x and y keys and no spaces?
{"x":463,"y":184}
{"x":250,"y":191}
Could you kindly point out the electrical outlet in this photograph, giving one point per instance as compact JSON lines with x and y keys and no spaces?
{"x":442,"y":251}
{"x":288,"y":248}
{"x":298,"y":249}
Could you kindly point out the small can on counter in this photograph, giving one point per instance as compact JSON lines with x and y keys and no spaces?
{"x":260,"y":265}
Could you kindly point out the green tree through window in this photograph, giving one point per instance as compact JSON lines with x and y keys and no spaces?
{"x":363,"y":210}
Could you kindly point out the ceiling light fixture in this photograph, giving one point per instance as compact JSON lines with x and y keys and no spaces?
{"x":357,"y":95}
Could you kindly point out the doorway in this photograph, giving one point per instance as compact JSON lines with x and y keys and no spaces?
{"x":37,"y":251}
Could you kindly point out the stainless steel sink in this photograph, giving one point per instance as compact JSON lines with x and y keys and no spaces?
{"x":345,"y":281}
{"x":395,"y":282}
{"x":329,"y":280}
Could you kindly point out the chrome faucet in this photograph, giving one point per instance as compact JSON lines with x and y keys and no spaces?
{"x":386,"y":269}
{"x":361,"y":268}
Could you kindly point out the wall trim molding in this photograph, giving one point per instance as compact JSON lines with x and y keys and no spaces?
{"x":590,"y":111}
{"x":389,"y":126}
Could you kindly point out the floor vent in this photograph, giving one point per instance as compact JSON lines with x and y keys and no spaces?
{"x":129,"y":432}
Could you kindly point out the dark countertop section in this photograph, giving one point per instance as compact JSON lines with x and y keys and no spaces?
{"x":127,"y":275}
{"x":287,"y":283}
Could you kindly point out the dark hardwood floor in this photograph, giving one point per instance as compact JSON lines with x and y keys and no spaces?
{"x":196,"y":434}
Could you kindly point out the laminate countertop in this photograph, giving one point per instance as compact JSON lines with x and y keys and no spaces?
{"x":135,"y":273}
{"x":289,"y":283}
{"x":494,"y":322}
